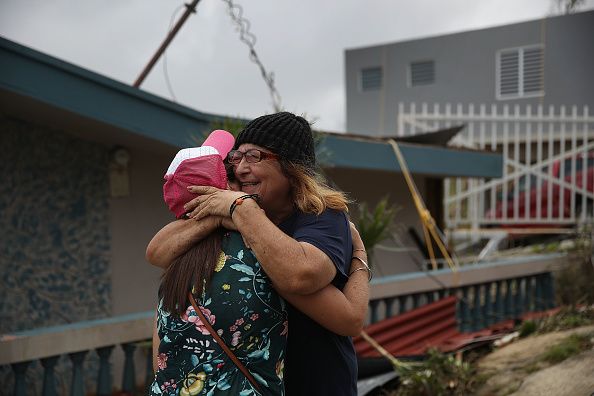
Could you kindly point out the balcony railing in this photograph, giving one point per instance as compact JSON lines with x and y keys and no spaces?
{"x":487,"y":293}
{"x":76,"y":340}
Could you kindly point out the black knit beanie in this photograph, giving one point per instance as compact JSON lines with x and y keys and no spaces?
{"x":285,"y":134}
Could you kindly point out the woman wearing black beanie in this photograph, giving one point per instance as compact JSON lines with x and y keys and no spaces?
{"x":299,"y":231}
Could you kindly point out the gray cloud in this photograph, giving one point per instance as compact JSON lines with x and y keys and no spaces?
{"x":302,"y":42}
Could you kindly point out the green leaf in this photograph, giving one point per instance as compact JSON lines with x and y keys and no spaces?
{"x":375,"y":225}
{"x":243,"y":268}
{"x":260,"y":379}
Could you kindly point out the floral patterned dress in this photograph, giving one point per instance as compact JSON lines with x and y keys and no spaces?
{"x":247,"y":314}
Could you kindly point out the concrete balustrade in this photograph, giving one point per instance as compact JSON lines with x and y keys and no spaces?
{"x":76,"y":340}
{"x":487,"y":293}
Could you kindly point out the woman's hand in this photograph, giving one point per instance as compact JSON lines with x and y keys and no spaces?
{"x":210,"y":201}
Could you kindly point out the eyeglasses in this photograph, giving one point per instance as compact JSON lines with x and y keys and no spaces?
{"x":252,"y":156}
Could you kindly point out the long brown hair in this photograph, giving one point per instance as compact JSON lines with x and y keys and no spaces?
{"x":310,"y":192}
{"x":192,"y":269}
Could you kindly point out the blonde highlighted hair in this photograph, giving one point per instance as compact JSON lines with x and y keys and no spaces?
{"x":310,"y":192}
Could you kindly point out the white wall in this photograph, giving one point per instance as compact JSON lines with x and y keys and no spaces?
{"x":133,"y":222}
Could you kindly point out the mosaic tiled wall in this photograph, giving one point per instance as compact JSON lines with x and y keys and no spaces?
{"x":54,"y":249}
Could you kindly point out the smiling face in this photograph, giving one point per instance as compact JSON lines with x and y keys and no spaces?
{"x":266,"y":179}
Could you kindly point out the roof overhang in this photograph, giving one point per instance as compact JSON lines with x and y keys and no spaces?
{"x":32,"y":81}
{"x":48,"y":91}
{"x":420,"y":159}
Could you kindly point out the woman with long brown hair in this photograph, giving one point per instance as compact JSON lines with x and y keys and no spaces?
{"x":237,"y":297}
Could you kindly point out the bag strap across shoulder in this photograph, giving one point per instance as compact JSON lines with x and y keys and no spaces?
{"x":222,"y":344}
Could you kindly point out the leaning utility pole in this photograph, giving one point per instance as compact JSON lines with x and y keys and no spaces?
{"x":190,"y":8}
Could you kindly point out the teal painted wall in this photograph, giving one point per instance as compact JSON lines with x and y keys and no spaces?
{"x":54,"y":260}
{"x":54,"y":255}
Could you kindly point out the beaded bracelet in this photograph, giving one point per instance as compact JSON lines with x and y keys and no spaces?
{"x":239,"y":201}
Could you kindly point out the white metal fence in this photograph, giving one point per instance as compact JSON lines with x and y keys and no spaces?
{"x":548,"y":175}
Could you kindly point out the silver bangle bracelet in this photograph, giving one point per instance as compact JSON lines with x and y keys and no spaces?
{"x":358,"y":269}
{"x":366,"y":268}
{"x":362,"y":261}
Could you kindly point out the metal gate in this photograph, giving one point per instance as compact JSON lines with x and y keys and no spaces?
{"x":548,"y":175}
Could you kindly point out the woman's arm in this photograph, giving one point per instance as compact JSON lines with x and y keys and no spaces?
{"x":343,"y":312}
{"x":309,"y":269}
{"x":177,"y":238}
{"x":340,"y":312}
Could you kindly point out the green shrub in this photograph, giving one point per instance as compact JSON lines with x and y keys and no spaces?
{"x":568,"y":347}
{"x":528,"y":327}
{"x":440,"y":374}
{"x":567,"y":318}
{"x":573,"y":284}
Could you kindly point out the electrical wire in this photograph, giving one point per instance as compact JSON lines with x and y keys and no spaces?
{"x":243,"y":26}
{"x":165,"y":71}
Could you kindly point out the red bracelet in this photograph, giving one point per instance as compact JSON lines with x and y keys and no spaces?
{"x":239,"y":201}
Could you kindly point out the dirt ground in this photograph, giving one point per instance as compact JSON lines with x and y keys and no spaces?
{"x":516,"y":369}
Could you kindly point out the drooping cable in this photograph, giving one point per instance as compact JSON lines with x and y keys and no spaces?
{"x":243,"y":25}
{"x":165,"y":71}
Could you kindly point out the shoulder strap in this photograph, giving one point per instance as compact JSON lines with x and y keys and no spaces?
{"x":222,"y":344}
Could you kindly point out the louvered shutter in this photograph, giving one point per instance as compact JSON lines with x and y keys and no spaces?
{"x":371,"y":78}
{"x":533,"y":70}
{"x":520,"y":72}
{"x":509,"y":73}
{"x":422,"y":73}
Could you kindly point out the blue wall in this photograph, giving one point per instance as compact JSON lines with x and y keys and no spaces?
{"x":54,"y":255}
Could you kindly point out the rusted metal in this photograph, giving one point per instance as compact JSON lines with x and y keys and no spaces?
{"x":432,"y":325}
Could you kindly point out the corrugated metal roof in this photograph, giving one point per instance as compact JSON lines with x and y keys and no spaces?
{"x":430,"y":326}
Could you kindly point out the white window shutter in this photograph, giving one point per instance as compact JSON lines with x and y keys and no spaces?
{"x":509,"y":73}
{"x":533,"y":70}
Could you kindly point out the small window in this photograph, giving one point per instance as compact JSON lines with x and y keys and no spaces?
{"x":371,"y":78}
{"x":422,"y":73}
{"x":520,"y":72}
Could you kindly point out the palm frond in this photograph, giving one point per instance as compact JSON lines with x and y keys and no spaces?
{"x":375,"y":225}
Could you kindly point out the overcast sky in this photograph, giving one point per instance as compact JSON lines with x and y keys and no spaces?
{"x":301,"y":41}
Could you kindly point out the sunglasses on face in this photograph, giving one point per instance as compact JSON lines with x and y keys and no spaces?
{"x":251,"y":156}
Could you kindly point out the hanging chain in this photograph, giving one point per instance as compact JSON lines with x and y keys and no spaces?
{"x":243,"y":27}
